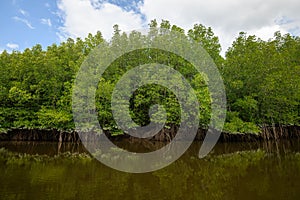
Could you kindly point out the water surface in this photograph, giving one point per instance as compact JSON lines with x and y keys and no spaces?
{"x":232,"y":171}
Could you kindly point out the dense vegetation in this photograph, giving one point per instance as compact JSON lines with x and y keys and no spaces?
{"x":262,"y":80}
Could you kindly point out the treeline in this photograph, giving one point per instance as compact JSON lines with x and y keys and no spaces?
{"x":262,"y":80}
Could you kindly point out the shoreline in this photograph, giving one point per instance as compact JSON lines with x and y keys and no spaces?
{"x":268,"y":133}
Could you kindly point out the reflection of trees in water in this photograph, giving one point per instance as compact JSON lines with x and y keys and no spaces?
{"x":240,"y":175}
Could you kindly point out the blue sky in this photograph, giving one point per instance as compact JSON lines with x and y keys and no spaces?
{"x":25,"y":23}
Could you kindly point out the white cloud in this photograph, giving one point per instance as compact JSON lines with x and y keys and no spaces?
{"x":46,"y":22}
{"x":24,"y":13}
{"x":12,"y":46}
{"x":266,"y":32}
{"x":80,"y":17}
{"x":25,"y":21}
{"x":227,"y":17}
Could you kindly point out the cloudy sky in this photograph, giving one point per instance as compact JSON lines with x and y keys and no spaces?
{"x":25,"y":23}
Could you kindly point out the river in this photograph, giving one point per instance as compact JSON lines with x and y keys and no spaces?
{"x":269,"y":170}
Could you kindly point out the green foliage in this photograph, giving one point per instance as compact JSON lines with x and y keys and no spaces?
{"x":262,"y":81}
{"x":236,"y":125}
{"x":52,"y":118}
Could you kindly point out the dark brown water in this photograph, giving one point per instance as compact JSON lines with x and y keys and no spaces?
{"x":232,"y":171}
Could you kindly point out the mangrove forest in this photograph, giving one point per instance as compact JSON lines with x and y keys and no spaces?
{"x":261,"y":78}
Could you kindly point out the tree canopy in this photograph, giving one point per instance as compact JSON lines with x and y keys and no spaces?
{"x":262,"y":80}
